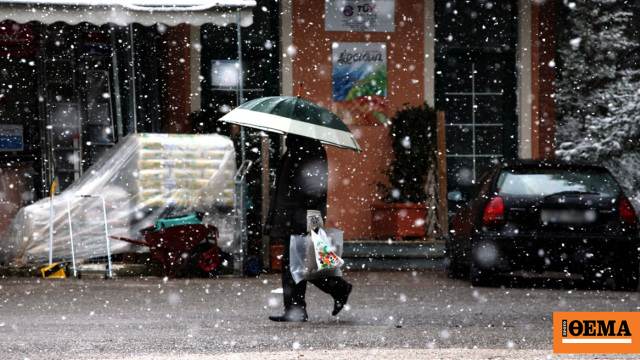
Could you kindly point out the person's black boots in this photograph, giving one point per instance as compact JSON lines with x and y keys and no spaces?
{"x":340,"y":301}
{"x":295,"y":314}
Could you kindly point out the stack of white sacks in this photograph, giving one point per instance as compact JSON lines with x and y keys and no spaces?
{"x":144,"y":176}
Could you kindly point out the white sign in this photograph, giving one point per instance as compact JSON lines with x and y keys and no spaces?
{"x":360,"y":15}
{"x":225,"y":73}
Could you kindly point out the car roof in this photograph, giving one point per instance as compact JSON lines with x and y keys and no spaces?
{"x":550,"y":164}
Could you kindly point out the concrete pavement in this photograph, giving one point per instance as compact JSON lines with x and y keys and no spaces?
{"x":397,"y":314}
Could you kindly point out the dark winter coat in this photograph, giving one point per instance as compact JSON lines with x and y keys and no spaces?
{"x":301,"y":184}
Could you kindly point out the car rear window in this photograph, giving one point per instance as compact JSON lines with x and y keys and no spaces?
{"x":552,"y":181}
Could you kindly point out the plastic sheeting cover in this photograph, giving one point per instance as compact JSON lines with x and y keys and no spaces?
{"x":143,"y":177}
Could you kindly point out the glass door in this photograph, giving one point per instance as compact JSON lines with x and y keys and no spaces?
{"x":478,"y":97}
{"x":475,"y":48}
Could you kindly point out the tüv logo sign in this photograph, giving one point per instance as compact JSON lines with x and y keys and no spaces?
{"x":358,"y":9}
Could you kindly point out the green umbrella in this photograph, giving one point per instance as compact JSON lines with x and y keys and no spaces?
{"x":293,"y":115}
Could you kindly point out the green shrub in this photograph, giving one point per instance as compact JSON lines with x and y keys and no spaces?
{"x":413,"y":129}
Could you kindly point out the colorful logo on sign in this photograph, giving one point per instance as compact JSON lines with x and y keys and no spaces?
{"x":360,"y":82}
{"x":596,"y":332}
{"x":348,"y":10}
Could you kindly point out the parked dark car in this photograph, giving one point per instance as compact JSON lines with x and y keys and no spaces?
{"x":539,"y":216}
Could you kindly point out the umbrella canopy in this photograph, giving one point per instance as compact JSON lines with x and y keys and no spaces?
{"x":293,"y":115}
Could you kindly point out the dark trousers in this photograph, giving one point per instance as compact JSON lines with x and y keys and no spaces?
{"x":294,"y":294}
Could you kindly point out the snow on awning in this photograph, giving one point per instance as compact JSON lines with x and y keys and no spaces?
{"x":124,"y":12}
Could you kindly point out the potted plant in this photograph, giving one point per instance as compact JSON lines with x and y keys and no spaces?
{"x":402,"y":211}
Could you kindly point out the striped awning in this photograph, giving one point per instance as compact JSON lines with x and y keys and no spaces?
{"x":124,"y":12}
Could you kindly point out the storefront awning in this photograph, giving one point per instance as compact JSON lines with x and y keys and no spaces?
{"x":124,"y":12}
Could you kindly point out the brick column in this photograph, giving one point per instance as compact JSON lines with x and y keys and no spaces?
{"x":544,"y":78}
{"x":176,"y":79}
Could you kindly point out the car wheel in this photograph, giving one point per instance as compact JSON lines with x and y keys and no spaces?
{"x":596,"y":276}
{"x":593,"y":283}
{"x":479,"y":277}
{"x":455,"y":269}
{"x":627,"y":280}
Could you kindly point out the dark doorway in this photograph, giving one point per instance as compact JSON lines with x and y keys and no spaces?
{"x":476,"y":86}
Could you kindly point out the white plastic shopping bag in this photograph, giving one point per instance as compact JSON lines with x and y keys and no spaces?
{"x":326,"y":258}
{"x":316,"y":255}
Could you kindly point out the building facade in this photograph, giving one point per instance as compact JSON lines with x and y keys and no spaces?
{"x":488,"y":65}
{"x":71,"y":90}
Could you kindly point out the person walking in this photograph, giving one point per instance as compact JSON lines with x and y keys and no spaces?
{"x":299,"y":195}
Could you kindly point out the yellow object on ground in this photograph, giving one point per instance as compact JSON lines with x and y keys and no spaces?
{"x":54,"y":271}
